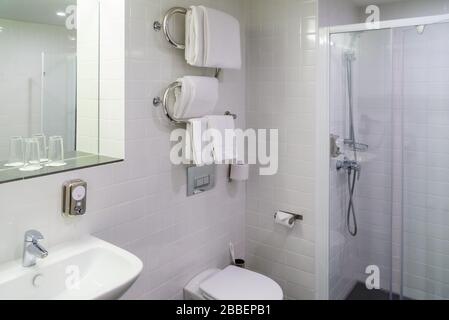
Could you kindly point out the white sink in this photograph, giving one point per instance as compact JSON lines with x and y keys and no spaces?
{"x":89,"y":269}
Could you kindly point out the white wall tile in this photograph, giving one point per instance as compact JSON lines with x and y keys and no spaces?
{"x":281,"y":44}
{"x":141,"y":204}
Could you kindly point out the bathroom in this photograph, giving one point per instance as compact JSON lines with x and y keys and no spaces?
{"x":89,"y":165}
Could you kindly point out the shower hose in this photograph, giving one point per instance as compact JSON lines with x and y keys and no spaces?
{"x":352,"y":180}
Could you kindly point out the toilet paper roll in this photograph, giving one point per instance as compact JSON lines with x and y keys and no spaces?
{"x":239,"y":172}
{"x":284,"y":219}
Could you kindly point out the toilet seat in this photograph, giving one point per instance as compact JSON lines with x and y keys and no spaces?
{"x":235,"y":283}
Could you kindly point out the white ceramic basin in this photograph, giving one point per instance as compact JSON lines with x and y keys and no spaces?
{"x":89,"y":269}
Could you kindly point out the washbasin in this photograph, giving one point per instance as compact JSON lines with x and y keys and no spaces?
{"x":88,"y":269}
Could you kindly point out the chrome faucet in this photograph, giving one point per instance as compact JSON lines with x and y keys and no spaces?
{"x":32,"y":250}
{"x":350,"y":166}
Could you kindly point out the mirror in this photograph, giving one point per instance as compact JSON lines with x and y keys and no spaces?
{"x":49,"y":87}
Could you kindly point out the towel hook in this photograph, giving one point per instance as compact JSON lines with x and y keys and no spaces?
{"x":233,"y":115}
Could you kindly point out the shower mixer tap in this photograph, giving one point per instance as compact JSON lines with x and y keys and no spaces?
{"x":350,"y":166}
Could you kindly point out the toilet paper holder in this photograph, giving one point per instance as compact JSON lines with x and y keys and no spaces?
{"x":296,"y":217}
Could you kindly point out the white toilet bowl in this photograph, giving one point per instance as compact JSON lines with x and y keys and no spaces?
{"x":232,"y":283}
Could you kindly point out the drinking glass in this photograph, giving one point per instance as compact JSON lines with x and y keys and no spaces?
{"x":42,"y":140}
{"x":16,"y":152}
{"x":32,"y":156}
{"x":56,"y":152}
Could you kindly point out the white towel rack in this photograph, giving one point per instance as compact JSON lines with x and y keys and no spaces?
{"x":158,"y":26}
{"x":158,"y":101}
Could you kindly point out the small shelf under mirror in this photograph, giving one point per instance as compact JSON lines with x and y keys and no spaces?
{"x":74,"y":160}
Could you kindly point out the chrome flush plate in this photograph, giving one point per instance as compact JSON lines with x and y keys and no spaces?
{"x":200,"y":179}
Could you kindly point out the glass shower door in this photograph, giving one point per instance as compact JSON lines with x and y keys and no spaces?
{"x":361,"y":83}
{"x":423,"y":101}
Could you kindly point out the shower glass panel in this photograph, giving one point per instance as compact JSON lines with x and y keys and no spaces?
{"x":59,"y":97}
{"x":422,"y":93}
{"x":389,"y":205}
{"x":361,"y":204}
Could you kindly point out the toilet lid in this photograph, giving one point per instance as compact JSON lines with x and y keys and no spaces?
{"x":235,"y":283}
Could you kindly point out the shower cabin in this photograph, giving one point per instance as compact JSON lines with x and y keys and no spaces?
{"x":386,"y":214}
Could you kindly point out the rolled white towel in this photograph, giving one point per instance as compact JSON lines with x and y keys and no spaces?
{"x":197,"y":97}
{"x":212,"y":39}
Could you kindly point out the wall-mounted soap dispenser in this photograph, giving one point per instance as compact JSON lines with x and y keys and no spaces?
{"x":74,"y":200}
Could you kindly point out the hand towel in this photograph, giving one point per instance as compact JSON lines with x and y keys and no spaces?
{"x":196,"y":98}
{"x":212,"y":39}
{"x":194,"y":141}
{"x":223,"y":149}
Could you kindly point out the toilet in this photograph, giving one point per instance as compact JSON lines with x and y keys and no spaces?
{"x":232,"y":283}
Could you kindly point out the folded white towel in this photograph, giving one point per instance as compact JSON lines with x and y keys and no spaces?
{"x":196,"y":98}
{"x":212,"y":39}
{"x":223,"y":150}
{"x":194,"y":51}
{"x":194,"y":141}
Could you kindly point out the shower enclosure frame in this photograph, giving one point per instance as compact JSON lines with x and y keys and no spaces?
{"x":322,"y":187}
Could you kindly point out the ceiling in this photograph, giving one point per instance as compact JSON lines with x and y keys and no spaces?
{"x":36,"y":11}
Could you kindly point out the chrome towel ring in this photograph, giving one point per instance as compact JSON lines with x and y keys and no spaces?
{"x":158,"y":101}
{"x":164,"y":26}
{"x":164,"y":102}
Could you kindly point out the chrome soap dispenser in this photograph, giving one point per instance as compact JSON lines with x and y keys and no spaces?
{"x":74,"y":198}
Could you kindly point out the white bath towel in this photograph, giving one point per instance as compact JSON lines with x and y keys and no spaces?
{"x":196,"y":98}
{"x":194,"y":141}
{"x":222,"y":130}
{"x":212,"y":39}
{"x":194,"y":50}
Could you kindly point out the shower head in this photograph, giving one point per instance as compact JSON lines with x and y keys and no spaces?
{"x":421,"y":29}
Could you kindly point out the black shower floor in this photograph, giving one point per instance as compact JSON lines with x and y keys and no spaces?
{"x":360,"y":292}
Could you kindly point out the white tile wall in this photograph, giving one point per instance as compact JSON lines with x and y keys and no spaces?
{"x":140,"y":204}
{"x":337,"y":12}
{"x":112,"y":75}
{"x":343,"y":12}
{"x":281,"y":47}
{"x":101,"y":87}
{"x":413,"y":8}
